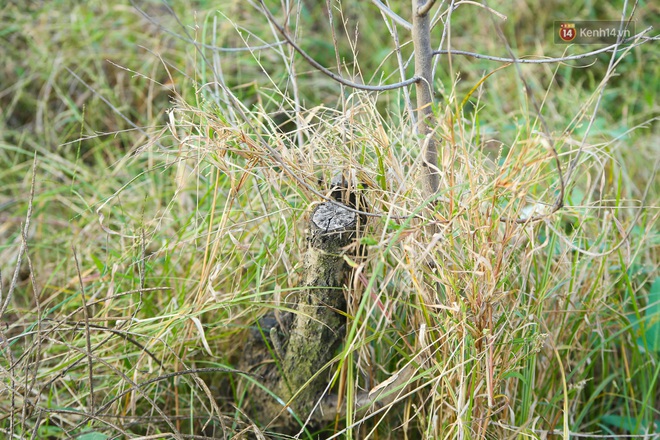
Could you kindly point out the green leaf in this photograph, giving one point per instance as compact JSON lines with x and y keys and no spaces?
{"x":629,"y":424}
{"x":393,"y":226}
{"x":624,"y":423}
{"x":369,"y":241}
{"x":46,"y":431}
{"x":515,"y":374}
{"x":99,"y":264}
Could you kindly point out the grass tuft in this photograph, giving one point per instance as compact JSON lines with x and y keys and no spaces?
{"x":171,"y":191}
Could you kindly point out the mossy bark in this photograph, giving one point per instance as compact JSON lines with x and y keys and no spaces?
{"x":318,"y":325}
{"x":312,"y":334}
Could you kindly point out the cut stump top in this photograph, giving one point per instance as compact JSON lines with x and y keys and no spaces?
{"x":332,"y":217}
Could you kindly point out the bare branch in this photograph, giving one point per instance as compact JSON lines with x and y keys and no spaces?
{"x":638,"y":39}
{"x":390,"y":13}
{"x":402,"y":66}
{"x":487,"y":8}
{"x":446,"y":32}
{"x":202,"y":45}
{"x":327,"y":72}
{"x":425,"y":8}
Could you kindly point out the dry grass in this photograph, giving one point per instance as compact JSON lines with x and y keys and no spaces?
{"x":192,"y":225}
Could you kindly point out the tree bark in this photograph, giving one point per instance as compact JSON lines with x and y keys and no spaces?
{"x":318,"y":326}
{"x":426,"y":122}
{"x":310,"y":336}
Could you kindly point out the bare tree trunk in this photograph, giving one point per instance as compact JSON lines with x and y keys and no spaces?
{"x":424,"y":69}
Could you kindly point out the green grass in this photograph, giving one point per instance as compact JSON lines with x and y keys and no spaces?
{"x":186,"y":228}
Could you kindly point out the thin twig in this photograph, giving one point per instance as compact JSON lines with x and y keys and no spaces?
{"x":487,"y":8}
{"x":638,"y":41}
{"x":202,"y":45}
{"x":402,"y":68}
{"x":37,"y":423}
{"x":328,"y":72}
{"x":390,"y":13}
{"x":446,"y":33}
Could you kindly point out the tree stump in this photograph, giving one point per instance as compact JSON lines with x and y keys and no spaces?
{"x":312,"y":334}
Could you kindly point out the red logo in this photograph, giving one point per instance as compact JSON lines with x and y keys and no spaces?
{"x":567,"y":31}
